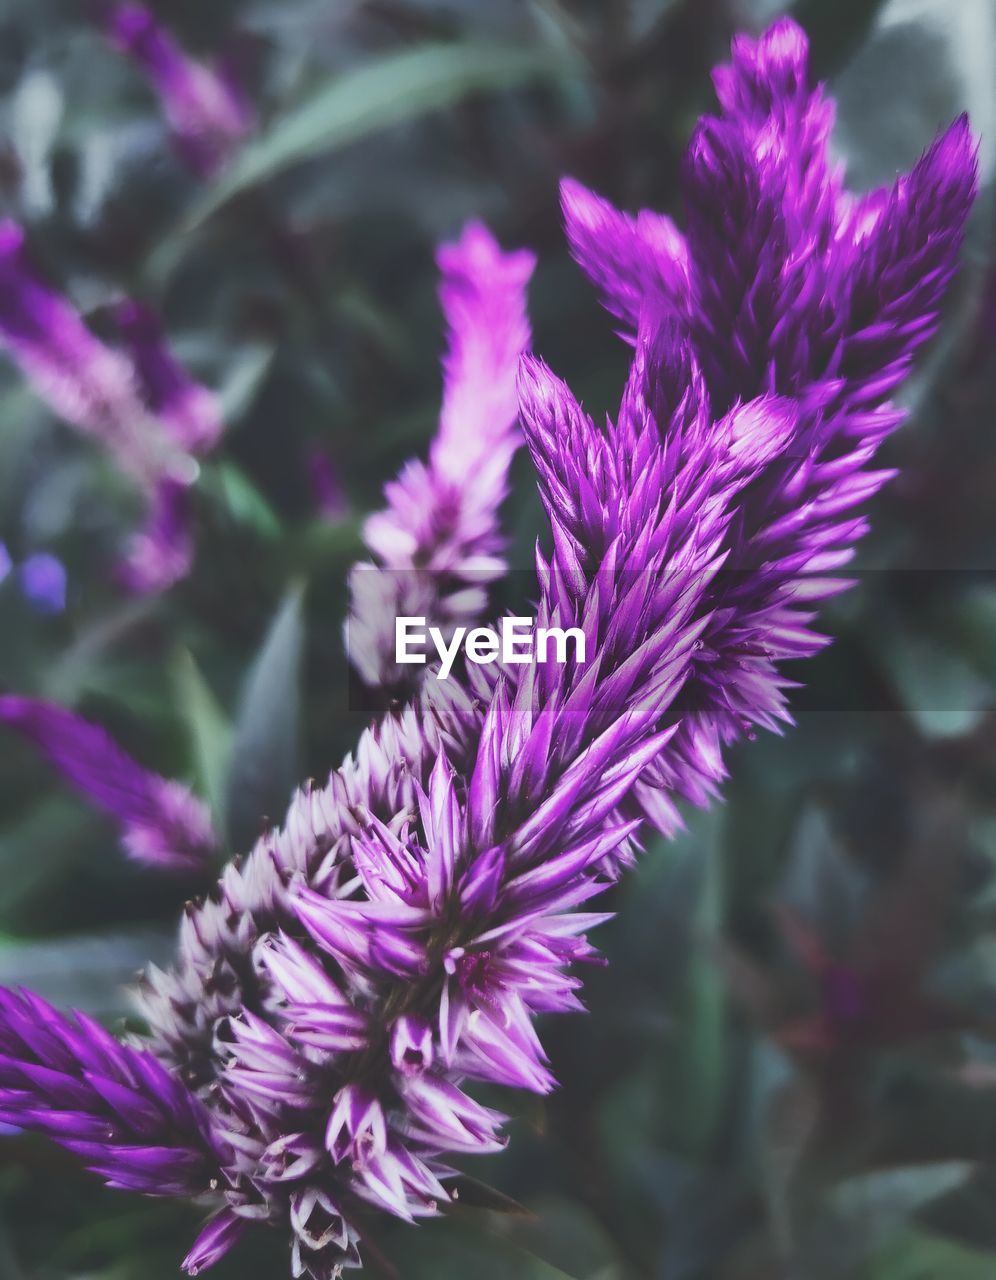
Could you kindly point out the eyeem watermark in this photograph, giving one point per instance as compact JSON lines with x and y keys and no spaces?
{"x":518,"y":640}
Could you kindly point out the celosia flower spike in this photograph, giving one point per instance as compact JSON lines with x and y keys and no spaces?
{"x":437,"y":545}
{"x":162,"y":551}
{"x":189,"y":411}
{"x":162,"y":822}
{"x":128,"y":1118}
{"x":206,"y":113}
{"x":140,"y":404}
{"x":340,"y":991}
{"x":81,"y":379}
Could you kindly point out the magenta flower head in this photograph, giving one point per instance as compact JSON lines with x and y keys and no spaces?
{"x":206,"y":113}
{"x":138,"y":402}
{"x":162,"y":823}
{"x":437,"y":545}
{"x":84,"y":381}
{"x":188,"y":410}
{"x":342,"y":992}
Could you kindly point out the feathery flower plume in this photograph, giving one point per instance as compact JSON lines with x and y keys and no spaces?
{"x":81,"y":379}
{"x":791,"y":285}
{"x":140,"y":403}
{"x":339,"y":990}
{"x":162,"y":822}
{"x":206,"y":112}
{"x":437,"y":545}
{"x":189,"y":411}
{"x":162,"y":551}
{"x":116,"y":1107}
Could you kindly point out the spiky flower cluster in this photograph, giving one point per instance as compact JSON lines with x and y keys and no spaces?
{"x":338,"y":995}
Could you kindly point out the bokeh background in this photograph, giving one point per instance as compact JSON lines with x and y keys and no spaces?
{"x":789,"y":1070}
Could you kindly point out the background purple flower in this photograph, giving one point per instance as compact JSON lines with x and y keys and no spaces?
{"x":43,"y":581}
{"x":162,"y":822}
{"x":206,"y":112}
{"x":141,"y":404}
{"x":437,"y":546}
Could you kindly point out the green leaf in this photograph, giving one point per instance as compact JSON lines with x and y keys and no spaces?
{"x":264,"y":769}
{"x":210,"y":732}
{"x":39,"y":849}
{"x":696,"y":1060}
{"x":397,"y":88}
{"x":243,"y":382}
{"x":942,"y":694}
{"x":232,"y":489}
{"x":880,"y":1203}
{"x":918,"y":1256}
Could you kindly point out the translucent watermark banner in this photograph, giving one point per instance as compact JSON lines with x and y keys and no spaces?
{"x":410,"y":628}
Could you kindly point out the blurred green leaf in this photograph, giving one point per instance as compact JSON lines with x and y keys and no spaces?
{"x":36,"y":850}
{"x":228,"y":485}
{"x":243,"y":382}
{"x":942,"y":694}
{"x":695,"y":1059}
{"x":210,"y":731}
{"x":399,"y":87}
{"x":919,"y":1256}
{"x":84,"y":664}
{"x":880,"y":1203}
{"x":564,"y":1234}
{"x":264,"y":770}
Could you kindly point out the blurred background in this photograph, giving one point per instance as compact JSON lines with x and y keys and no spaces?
{"x":789,"y":1070}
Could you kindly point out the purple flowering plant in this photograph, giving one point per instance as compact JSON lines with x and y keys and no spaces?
{"x":352,"y":1000}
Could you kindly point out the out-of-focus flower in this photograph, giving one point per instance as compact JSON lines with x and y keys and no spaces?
{"x":187,"y":409}
{"x":437,"y":545}
{"x":80,"y":378}
{"x":162,"y":551}
{"x":162,"y":822}
{"x":339,"y":989}
{"x":42,"y":578}
{"x":43,"y":581}
{"x":326,"y":486}
{"x":140,"y":403}
{"x":206,"y":112}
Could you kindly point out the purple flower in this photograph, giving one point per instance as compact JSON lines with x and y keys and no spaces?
{"x":117,"y":1108}
{"x":6,"y":564}
{"x":189,"y":411}
{"x":162,"y":822}
{"x":162,"y":551}
{"x":43,"y":581}
{"x":140,"y":403}
{"x":326,"y":487}
{"x":82,"y":380}
{"x":206,"y":113}
{"x":437,"y":545}
{"x":341,"y":991}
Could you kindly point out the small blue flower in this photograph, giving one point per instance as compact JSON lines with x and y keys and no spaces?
{"x":43,"y":581}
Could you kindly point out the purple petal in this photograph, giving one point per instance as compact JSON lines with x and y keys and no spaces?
{"x":217,"y":1237}
{"x":162,"y":822}
{"x":189,"y":411}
